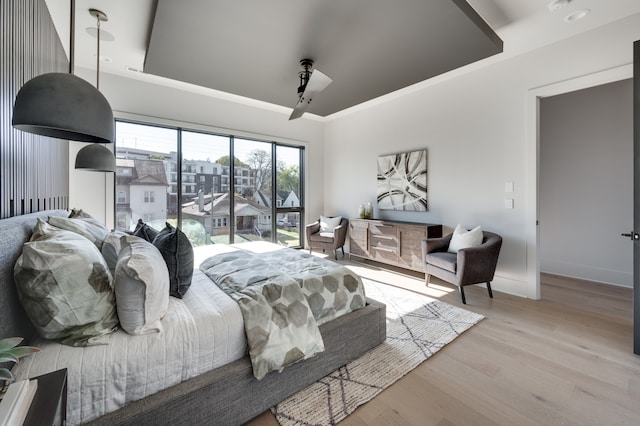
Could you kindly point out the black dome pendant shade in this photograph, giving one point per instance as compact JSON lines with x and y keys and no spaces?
{"x":96,"y":158}
{"x":64,"y":106}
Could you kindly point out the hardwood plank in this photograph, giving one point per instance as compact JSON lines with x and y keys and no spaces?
{"x":565,"y":359}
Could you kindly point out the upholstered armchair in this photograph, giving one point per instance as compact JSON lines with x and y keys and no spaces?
{"x":319,"y":237}
{"x":473,"y":265}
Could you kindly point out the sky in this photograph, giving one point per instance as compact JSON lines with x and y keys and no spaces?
{"x":195,"y":145}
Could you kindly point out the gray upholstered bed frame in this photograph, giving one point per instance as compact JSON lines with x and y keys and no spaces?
{"x":226,"y":395}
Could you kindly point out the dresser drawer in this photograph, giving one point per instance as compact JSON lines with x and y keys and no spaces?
{"x":383,"y":229}
{"x":384,"y":254}
{"x":384,"y":241}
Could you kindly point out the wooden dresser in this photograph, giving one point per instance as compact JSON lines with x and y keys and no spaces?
{"x":391,"y":242}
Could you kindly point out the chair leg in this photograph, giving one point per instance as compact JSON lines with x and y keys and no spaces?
{"x":342,"y":248}
{"x":427,"y":278}
{"x":489,"y":288}
{"x":335,"y":254}
{"x":464,"y":300}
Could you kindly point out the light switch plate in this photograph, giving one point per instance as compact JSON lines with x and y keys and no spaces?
{"x":508,"y":203}
{"x":508,"y":187}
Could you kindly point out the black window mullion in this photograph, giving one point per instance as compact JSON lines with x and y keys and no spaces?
{"x":232,"y":191}
{"x":179,"y":192}
{"x":274,"y":193}
{"x":301,"y":196}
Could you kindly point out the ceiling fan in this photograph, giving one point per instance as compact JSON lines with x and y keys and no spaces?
{"x":311,"y":83}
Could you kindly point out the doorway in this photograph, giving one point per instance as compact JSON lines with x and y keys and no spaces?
{"x":585,"y":188}
{"x":532,"y":159}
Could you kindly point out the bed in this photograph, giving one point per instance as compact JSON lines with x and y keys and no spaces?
{"x":207,"y":388}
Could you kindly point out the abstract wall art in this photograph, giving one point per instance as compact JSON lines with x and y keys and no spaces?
{"x":402,"y":181}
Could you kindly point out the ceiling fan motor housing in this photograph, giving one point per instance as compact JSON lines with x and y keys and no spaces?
{"x":304,"y":75}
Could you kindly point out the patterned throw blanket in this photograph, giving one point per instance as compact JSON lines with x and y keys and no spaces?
{"x":284,"y":295}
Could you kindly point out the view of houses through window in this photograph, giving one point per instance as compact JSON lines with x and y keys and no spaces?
{"x":216,"y":188}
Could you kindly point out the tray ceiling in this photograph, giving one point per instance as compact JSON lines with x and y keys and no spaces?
{"x":369,"y":48}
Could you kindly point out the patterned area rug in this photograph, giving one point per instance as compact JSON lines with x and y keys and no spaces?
{"x":417,"y":327}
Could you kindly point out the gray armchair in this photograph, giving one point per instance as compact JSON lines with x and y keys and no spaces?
{"x":327,"y":240}
{"x":468,"y":266}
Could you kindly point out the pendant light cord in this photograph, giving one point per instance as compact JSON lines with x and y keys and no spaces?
{"x":100,"y":16}
{"x":72,"y":39}
{"x":98,"y":57}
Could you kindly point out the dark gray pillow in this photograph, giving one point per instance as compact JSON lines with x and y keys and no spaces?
{"x":178,"y":254}
{"x":145,"y":231}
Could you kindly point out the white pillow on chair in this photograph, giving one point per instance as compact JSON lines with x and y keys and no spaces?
{"x":462,"y":238}
{"x":328,"y":224}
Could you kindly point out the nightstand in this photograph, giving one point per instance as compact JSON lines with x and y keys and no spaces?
{"x":49,"y":406}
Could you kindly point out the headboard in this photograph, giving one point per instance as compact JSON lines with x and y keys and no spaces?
{"x":14,"y":232}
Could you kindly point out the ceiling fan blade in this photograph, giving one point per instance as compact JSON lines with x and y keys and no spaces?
{"x":298,"y":111}
{"x":316,"y":84}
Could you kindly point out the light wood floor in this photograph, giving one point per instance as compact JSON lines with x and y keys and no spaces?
{"x":566,"y":359}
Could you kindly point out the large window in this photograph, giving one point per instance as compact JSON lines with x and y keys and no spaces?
{"x":216,"y":188}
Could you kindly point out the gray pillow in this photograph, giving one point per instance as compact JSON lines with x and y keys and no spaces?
{"x":142,"y":286}
{"x":145,"y":231}
{"x":111,"y":247}
{"x":177,"y":252}
{"x":66,"y":288}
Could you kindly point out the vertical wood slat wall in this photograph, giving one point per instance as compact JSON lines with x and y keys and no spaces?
{"x":34,"y":170}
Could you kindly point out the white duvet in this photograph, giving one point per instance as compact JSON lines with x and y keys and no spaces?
{"x":202,"y":331}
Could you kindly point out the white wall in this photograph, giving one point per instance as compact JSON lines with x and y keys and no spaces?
{"x":474,"y":127}
{"x":197,"y":109}
{"x":586,"y":183}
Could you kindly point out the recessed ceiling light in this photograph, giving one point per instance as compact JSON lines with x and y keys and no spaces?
{"x":558,"y":4}
{"x":104,"y":35}
{"x":576,"y":16}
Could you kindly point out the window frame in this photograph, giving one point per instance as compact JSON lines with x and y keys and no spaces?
{"x":177,"y":169}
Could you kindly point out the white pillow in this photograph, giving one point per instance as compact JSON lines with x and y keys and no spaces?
{"x":141,"y":286}
{"x":462,"y":238}
{"x":328,"y":224}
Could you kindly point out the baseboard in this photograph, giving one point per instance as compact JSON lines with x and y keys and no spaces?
{"x":510,"y":286}
{"x":587,"y":272}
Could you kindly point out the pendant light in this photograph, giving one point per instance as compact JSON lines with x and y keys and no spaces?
{"x":64,"y":106}
{"x":96,"y":157}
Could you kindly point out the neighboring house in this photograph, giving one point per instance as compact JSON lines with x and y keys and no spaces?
{"x":283,"y":199}
{"x":290,"y":199}
{"x":263,"y":198}
{"x":212,"y":211}
{"x":141,"y":192}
